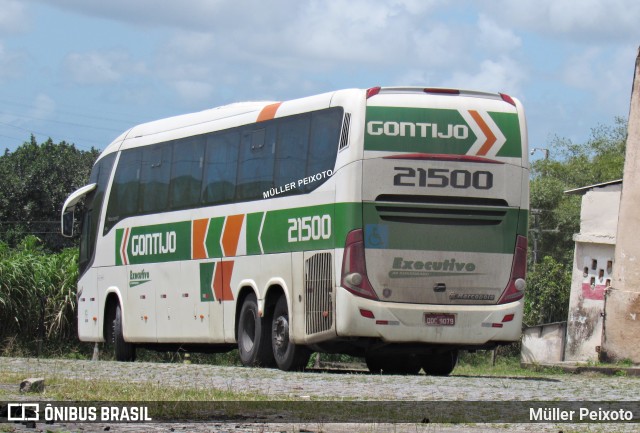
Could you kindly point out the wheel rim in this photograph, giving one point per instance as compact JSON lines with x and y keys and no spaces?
{"x":281,"y":333}
{"x":248,"y":332}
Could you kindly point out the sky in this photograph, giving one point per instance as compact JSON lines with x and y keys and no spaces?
{"x":84,"y":71}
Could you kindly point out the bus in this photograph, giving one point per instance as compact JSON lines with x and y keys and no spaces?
{"x":387,"y":223}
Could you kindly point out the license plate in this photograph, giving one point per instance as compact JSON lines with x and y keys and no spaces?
{"x":439,"y":319}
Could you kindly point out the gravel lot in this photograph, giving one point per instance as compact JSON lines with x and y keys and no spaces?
{"x":332,"y":386}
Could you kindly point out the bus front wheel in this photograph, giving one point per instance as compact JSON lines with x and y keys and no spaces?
{"x":122,"y":350}
{"x":253,"y":335}
{"x":288,"y":356}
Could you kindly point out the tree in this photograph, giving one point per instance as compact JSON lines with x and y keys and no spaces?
{"x":555,"y":215}
{"x":548,"y":288}
{"x":35,"y":180}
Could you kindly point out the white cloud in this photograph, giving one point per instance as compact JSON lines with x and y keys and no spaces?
{"x":193,"y":91}
{"x":502,"y":75}
{"x":43,"y":107}
{"x":11,"y":63}
{"x":13,"y":17}
{"x":605,"y":73}
{"x":495,"y":37}
{"x":583,"y":21}
{"x":96,"y":67}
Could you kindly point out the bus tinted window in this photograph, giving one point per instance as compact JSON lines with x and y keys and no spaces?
{"x":291,"y":154}
{"x":124,"y":192}
{"x":99,"y":175}
{"x":186,"y":175}
{"x":154,"y":178}
{"x":255,"y":165}
{"x":325,"y":132}
{"x":219,"y":184}
{"x":234,"y":165}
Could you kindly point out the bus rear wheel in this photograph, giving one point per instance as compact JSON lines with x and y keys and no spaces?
{"x":122,"y":350}
{"x":440,"y":364}
{"x":254,"y":336}
{"x":388,"y":364}
{"x":288,"y":356}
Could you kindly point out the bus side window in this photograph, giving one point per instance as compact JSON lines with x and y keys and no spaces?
{"x":291,"y":151}
{"x":325,"y":135}
{"x":186,"y":172}
{"x":154,"y":178}
{"x":255,"y":165}
{"x":123,"y":200}
{"x":219,"y":185}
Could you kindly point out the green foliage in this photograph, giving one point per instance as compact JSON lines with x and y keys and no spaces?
{"x":555,"y":215}
{"x":547,"y":296}
{"x":36,"y":179}
{"x":37,"y":293}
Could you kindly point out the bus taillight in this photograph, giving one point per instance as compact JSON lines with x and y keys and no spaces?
{"x":354,"y":270}
{"x":515,"y":289}
{"x":373,"y":92}
{"x":508,"y":99}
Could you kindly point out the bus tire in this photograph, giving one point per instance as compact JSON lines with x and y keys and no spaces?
{"x":123,"y":351}
{"x":393,"y":365}
{"x":288,"y":356}
{"x":254,"y":337}
{"x":440,"y":364}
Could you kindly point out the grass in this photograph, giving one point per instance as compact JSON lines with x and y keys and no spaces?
{"x":63,"y":389}
{"x":480,"y":364}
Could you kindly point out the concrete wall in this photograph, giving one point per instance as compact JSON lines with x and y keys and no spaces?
{"x":622,"y":308}
{"x":543,"y":344}
{"x":593,"y":265}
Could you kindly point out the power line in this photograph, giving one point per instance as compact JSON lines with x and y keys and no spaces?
{"x":61,"y":122}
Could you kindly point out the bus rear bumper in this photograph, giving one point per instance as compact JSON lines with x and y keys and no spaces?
{"x":473,"y":325}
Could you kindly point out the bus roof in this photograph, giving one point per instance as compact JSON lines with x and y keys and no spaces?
{"x":187,"y":120}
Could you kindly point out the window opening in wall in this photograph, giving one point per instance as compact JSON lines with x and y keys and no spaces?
{"x":594,"y":264}
{"x":609,"y":266}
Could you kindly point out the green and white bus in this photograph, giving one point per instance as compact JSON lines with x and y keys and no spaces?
{"x":388,"y":223}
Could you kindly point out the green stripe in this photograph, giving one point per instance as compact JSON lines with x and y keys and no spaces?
{"x":212,"y":240}
{"x":510,"y":127}
{"x":380,"y":232}
{"x":427,"y":130}
{"x":294,"y":229}
{"x":157,"y":243}
{"x":206,"y":281}
{"x":425,"y":230}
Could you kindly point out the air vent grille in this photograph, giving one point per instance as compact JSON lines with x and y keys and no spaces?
{"x":344,"y":135}
{"x":318,"y":288}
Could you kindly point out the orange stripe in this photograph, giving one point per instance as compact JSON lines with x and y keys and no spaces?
{"x":231,"y":234}
{"x":222,"y":281}
{"x":491,"y":139}
{"x":123,"y":250}
{"x":268,"y":112}
{"x":199,"y":235}
{"x":217,"y":282}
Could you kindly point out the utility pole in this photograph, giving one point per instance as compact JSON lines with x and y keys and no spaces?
{"x":621,"y":333}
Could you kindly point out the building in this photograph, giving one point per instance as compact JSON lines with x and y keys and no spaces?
{"x":580,"y":338}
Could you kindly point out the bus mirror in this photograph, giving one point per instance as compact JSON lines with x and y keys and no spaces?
{"x":67,"y":223}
